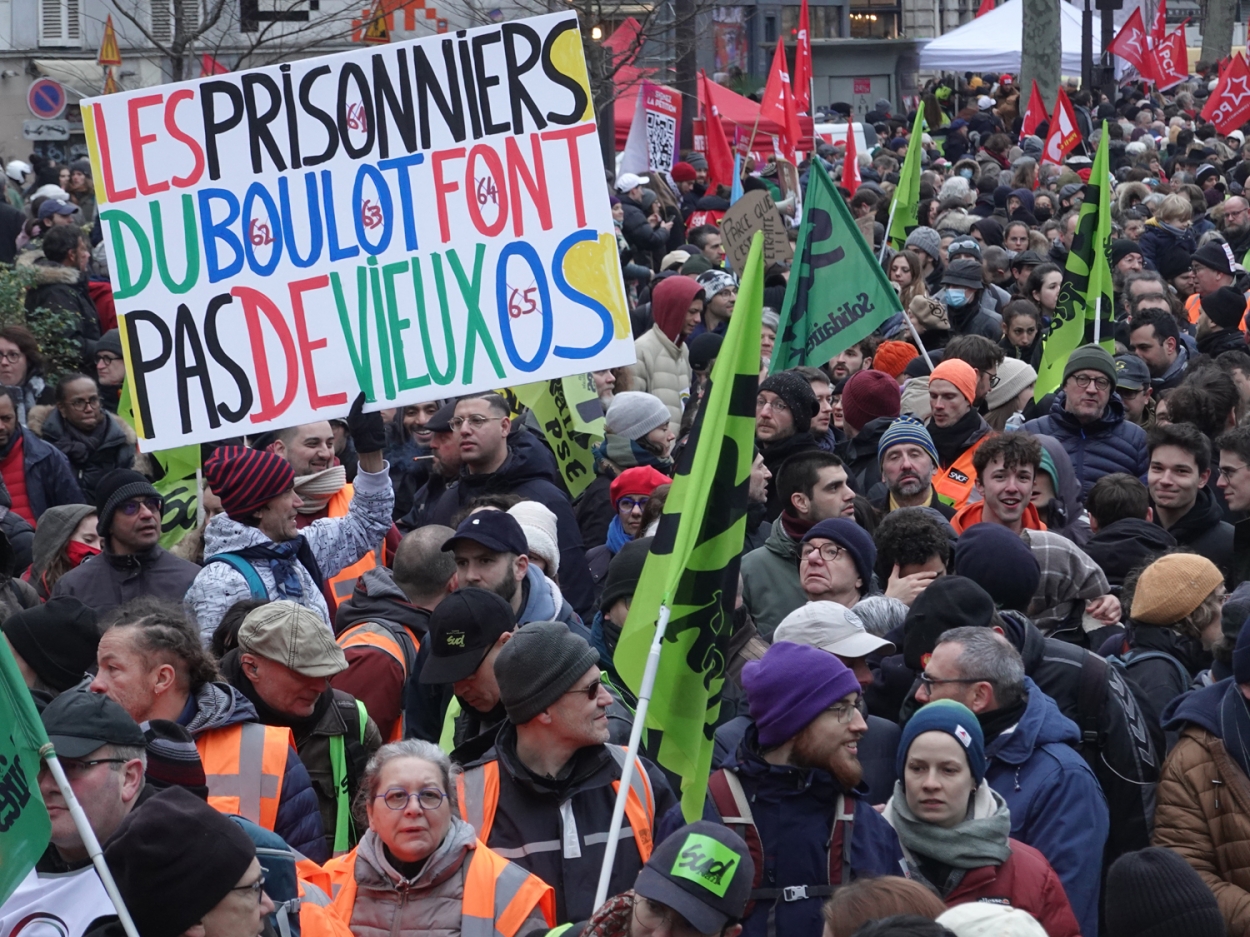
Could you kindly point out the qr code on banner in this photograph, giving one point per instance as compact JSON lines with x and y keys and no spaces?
{"x":661,"y":138}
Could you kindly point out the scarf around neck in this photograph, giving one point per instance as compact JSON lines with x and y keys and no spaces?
{"x":617,"y":537}
{"x":317,"y":489}
{"x":283,"y":558}
{"x":952,"y":440}
{"x":978,"y":841}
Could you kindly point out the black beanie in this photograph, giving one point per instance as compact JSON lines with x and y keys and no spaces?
{"x":1225,"y":307}
{"x":175,"y":859}
{"x":950,"y":602}
{"x":795,"y":390}
{"x":58,"y":640}
{"x":1155,"y":893}
{"x":624,"y":571}
{"x":114,"y":490}
{"x":999,"y":562}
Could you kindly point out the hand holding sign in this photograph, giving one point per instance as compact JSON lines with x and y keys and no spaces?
{"x":755,"y":211}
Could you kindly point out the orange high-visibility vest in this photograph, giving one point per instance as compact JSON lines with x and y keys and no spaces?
{"x":377,"y":635}
{"x":342,"y":584}
{"x":245,"y":765}
{"x":478,"y":790}
{"x":1193,"y":307}
{"x":499,"y":896}
{"x":956,"y":481}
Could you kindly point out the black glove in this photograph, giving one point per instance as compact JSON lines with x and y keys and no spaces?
{"x":368,"y":431}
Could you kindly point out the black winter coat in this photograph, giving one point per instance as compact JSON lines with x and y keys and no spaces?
{"x":1216,"y":343}
{"x":1109,"y":444}
{"x":114,"y":451}
{"x":60,"y":287}
{"x":110,"y":579}
{"x":774,"y":454}
{"x":1121,"y":547}
{"x":860,"y":455}
{"x":1204,"y":530}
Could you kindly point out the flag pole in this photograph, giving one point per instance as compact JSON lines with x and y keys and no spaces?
{"x":83,"y":825}
{"x":635,"y":742}
{"x":1097,"y":319}
{"x":885,"y":241}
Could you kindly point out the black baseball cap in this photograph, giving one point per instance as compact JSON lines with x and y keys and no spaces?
{"x":1131,"y":372}
{"x":79,"y":721}
{"x":495,"y":530}
{"x":462,"y":630}
{"x":704,"y":872}
{"x":440,"y":422}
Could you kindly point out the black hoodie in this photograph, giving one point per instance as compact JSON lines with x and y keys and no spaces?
{"x":1204,"y":530}
{"x":1123,"y":546}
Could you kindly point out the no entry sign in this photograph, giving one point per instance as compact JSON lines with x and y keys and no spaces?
{"x":46,"y":99}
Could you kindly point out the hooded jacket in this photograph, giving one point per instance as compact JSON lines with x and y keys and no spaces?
{"x":43,"y":546}
{"x":57,"y":287}
{"x":972,"y":318}
{"x":770,"y":580}
{"x":545,"y":602}
{"x":1204,"y":531}
{"x":1161,"y":679}
{"x":1065,"y":514}
{"x":1109,"y":444}
{"x":527,"y":474}
{"x":663,"y":365}
{"x":860,"y":455}
{"x":1056,"y":804}
{"x":114,"y":449}
{"x":336,"y":543}
{"x":1125,"y":545}
{"x":1204,"y":803}
{"x":218,"y":706}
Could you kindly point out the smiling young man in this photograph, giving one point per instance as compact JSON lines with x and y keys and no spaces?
{"x":1180,"y":466}
{"x":1005,"y":467}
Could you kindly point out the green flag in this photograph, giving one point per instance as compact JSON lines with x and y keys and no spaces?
{"x":907,"y":195}
{"x":837,"y":293}
{"x":692,"y":568}
{"x":24,"y":826}
{"x":1086,"y":279}
{"x":178,"y":484}
{"x":571,"y":417}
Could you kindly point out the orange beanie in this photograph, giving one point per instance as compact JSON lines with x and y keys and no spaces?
{"x":959,"y":373}
{"x":892,"y":357}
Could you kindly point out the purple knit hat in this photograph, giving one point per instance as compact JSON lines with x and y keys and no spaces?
{"x":790,"y":686}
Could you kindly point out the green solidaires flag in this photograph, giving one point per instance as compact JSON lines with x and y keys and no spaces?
{"x":1086,"y":279}
{"x":692,"y":568}
{"x":24,"y":826}
{"x":178,"y":485}
{"x":571,"y":417}
{"x":907,"y":195}
{"x":837,"y":294}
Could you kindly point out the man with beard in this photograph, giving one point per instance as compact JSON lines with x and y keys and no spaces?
{"x":955,"y":428}
{"x":784,"y":408}
{"x":407,"y":450}
{"x":856,"y":358}
{"x":798,"y":767}
{"x":1235,"y":226}
{"x":908,"y":460}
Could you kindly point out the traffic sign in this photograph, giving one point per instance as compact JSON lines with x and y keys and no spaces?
{"x":46,"y":99}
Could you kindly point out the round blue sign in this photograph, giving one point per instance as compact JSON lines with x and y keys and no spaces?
{"x":46,"y":99}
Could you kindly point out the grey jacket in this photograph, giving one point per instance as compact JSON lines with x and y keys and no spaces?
{"x":770,"y":581}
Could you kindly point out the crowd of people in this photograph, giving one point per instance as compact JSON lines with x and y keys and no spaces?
{"x":987,"y":671}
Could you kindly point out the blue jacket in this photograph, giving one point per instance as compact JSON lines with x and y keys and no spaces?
{"x":49,"y":478}
{"x":793,"y":810}
{"x":1109,"y":444}
{"x":1056,"y":804}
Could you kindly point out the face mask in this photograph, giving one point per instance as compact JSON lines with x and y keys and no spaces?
{"x":954,"y":298}
{"x":966,"y":173}
{"x":1042,"y":215}
{"x":76,"y":551}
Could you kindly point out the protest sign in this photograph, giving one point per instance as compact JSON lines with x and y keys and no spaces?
{"x":652,"y":141}
{"x":755,"y":211}
{"x":571,"y":417}
{"x":416,"y":221}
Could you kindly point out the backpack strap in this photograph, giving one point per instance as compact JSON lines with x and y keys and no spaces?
{"x":245,"y":569}
{"x":1091,"y":697}
{"x":1137,"y":656}
{"x":731,"y":803}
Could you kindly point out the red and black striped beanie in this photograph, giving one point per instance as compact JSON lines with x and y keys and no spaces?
{"x":246,"y":479}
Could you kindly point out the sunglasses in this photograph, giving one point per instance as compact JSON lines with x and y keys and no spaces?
{"x":131,"y":508}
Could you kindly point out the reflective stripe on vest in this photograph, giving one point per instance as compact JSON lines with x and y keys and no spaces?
{"x":478,"y":794}
{"x":371,"y":634}
{"x":343,"y":583}
{"x":955,"y":482}
{"x":498,"y":895}
{"x":244,"y":765}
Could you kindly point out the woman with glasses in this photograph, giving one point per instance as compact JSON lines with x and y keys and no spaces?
{"x":94,"y":441}
{"x":21,"y":367}
{"x":421,"y":869}
{"x":955,"y":829}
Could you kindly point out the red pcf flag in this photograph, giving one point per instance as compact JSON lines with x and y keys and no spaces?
{"x":1035,"y":113}
{"x":1132,"y":45}
{"x":802,"y":84}
{"x":850,"y":168}
{"x":1228,"y":107}
{"x":1064,"y":134}
{"x":1171,"y":59}
{"x":720,"y":159}
{"x":778,"y":102}
{"x":1159,"y":28}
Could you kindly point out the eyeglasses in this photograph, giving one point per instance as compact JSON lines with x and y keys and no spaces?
{"x":74,"y":768}
{"x":994,"y":380}
{"x":930,"y":682}
{"x":83,"y":404}
{"x":476,"y":422}
{"x":779,"y":405}
{"x":829,"y":552}
{"x":652,"y":916}
{"x":845,"y":712}
{"x":1083,"y":381}
{"x":428,"y":798}
{"x":131,"y":507}
{"x":11,"y":357}
{"x":1228,"y":471}
{"x":590,"y":691}
{"x":255,"y":887}
{"x":627,"y":504}
{"x":106,"y":358}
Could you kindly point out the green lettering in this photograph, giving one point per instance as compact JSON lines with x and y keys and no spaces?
{"x":118,"y":258}
{"x":389,"y":272}
{"x":418,"y":287}
{"x":379,"y":315}
{"x":359,"y":353}
{"x":476,"y":325}
{"x":190,"y":238}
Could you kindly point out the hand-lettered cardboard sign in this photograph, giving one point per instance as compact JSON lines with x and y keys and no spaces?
{"x":755,"y":211}
{"x":416,"y":221}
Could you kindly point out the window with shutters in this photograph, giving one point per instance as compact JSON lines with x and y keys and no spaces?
{"x":59,"y":24}
{"x":162,"y":18}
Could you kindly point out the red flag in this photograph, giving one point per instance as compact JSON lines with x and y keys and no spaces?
{"x":1170,"y":60}
{"x":850,"y":168}
{"x":1064,"y":134}
{"x":1159,"y":28}
{"x":1132,"y":45}
{"x":803,"y":64}
{"x":778,"y":102}
{"x":210,"y":66}
{"x":720,"y":159}
{"x":1229,"y":104}
{"x":985,"y":7}
{"x":1035,"y":113}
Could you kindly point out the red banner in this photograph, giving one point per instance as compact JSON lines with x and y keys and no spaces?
{"x":720,"y":159}
{"x":850,"y":168}
{"x":803,"y":64}
{"x":1159,"y":28}
{"x":1035,"y":114}
{"x":1171,"y":60}
{"x":1064,"y":134}
{"x":777,"y":104}
{"x":1228,"y":107}
{"x":1132,"y":45}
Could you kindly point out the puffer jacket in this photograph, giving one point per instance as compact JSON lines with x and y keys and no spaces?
{"x":336,"y":543}
{"x":1109,"y":444}
{"x":663,"y":365}
{"x":431,"y":904}
{"x":218,"y":706}
{"x":50,"y":479}
{"x":1056,"y":804}
{"x":1204,"y":804}
{"x":1158,"y":240}
{"x":108,"y":580}
{"x":114,"y":450}
{"x":770,"y":580}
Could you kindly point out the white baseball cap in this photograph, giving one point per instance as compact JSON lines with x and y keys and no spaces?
{"x":830,"y":627}
{"x":628,"y":181}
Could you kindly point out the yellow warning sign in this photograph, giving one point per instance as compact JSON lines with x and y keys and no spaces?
{"x":109,"y":53}
{"x":375,"y":29}
{"x":110,"y":82}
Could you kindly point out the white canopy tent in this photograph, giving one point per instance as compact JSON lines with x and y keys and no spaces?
{"x":992,"y":42}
